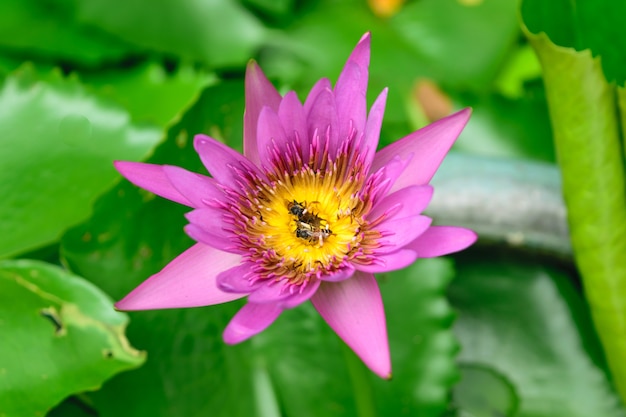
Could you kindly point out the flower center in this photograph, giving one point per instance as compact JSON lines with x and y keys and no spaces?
{"x":306,"y":224}
{"x":306,"y":221}
{"x":309,"y":223}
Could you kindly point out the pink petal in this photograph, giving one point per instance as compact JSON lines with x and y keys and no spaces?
{"x":386,"y":262}
{"x":442,"y":240}
{"x":301,"y":296}
{"x":291,"y":114}
{"x":197,"y":188}
{"x":187,"y":281}
{"x":236,"y":279}
{"x":389,"y":172}
{"x":213,"y":238}
{"x":406,"y":202}
{"x":321,"y":85}
{"x":372,"y":127}
{"x":152,"y":178}
{"x":351,"y":89}
{"x":270,"y":292}
{"x":283,"y":293}
{"x":351,"y":100}
{"x":397,"y":233}
{"x":322,"y":120}
{"x":360,"y":55}
{"x":250,"y":320}
{"x":209,"y":227}
{"x":428,"y":146}
{"x":259,"y":93}
{"x":270,"y":136}
{"x":221,"y":161}
{"x":210,"y":219}
{"x":341,"y":274}
{"x":354,"y":310}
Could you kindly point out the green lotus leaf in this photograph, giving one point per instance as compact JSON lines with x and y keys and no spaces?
{"x":60,"y":336}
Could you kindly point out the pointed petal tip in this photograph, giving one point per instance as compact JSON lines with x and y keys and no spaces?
{"x":132,"y":302}
{"x":126,"y":305}
{"x":463,"y":114}
{"x":467,"y":110}
{"x":382,"y":370}
{"x":365,"y":39}
{"x":470,"y":238}
{"x":462,"y":237}
{"x":187,"y":281}
{"x":442,"y":240}
{"x":252,"y":64}
{"x":250,"y":320}
{"x":122,"y":166}
{"x":353,"y":309}
{"x":361,"y":52}
{"x":150,"y":177}
{"x":200,"y":139}
{"x":254,"y":72}
{"x":427,"y":147}
{"x":231,"y":337}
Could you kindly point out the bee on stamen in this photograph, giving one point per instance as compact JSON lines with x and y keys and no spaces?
{"x":313,"y":233}
{"x":309,"y":225}
{"x":295,"y":208}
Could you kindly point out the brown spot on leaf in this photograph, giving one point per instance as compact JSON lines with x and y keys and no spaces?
{"x":53,"y":317}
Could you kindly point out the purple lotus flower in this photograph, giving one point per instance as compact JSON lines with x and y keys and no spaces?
{"x":310,"y":211}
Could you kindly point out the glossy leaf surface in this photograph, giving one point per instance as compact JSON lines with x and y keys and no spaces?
{"x":528,"y":324}
{"x":60,"y":335}
{"x":589,"y":152}
{"x":59,"y":142}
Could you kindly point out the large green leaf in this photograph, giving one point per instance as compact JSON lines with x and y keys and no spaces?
{"x":132,"y":234}
{"x":58,"y":145}
{"x":589,"y":152}
{"x":597,"y":25}
{"x":528,"y":326}
{"x":49,"y":30}
{"x":149,"y":93}
{"x":483,"y":392}
{"x":459,"y":43}
{"x":73,"y":406}
{"x":217,"y":32}
{"x":60,"y":335}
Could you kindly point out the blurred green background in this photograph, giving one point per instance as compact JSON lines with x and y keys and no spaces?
{"x":500,"y":330}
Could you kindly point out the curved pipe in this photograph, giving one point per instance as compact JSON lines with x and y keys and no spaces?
{"x":515,"y":202}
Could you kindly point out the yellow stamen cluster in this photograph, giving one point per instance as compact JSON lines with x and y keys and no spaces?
{"x":308,"y":222}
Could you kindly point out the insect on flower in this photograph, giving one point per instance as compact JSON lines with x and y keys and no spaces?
{"x":310,"y":211}
{"x":309,"y":225}
{"x":295,"y":208}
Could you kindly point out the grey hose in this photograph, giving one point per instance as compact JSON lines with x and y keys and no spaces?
{"x":515,"y":202}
